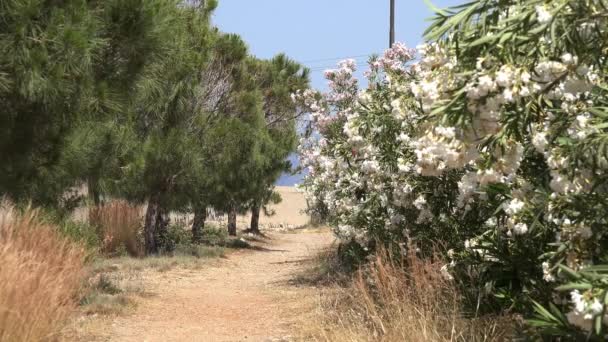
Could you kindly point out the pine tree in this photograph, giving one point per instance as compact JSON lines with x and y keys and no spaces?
{"x":218,"y":98}
{"x":48,"y":53}
{"x":167,"y":115}
{"x":278,"y":79}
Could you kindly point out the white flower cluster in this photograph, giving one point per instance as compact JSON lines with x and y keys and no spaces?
{"x":438,"y":150}
{"x":351,"y":172}
{"x":585,"y":309}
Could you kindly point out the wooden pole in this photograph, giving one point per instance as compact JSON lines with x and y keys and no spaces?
{"x":392,"y":29}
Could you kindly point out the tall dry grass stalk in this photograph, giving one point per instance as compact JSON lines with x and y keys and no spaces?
{"x":40,"y":277}
{"x":118,"y":223}
{"x":404,"y":300}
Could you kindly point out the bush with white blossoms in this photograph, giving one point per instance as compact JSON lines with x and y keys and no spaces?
{"x":491,"y":139}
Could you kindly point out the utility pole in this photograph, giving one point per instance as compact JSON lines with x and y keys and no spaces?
{"x":392,"y":29}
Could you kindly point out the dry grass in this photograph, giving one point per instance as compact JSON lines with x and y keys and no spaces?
{"x":388,"y":302}
{"x":118,"y":224}
{"x":114,"y":284}
{"x":112,"y":292}
{"x":40,"y":277}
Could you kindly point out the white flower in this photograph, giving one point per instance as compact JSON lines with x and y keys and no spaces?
{"x":580,"y":305}
{"x":539,"y":140}
{"x":492,"y":222}
{"x":370,"y":166}
{"x":543,"y":14}
{"x":514,"y":207}
{"x":596,"y":307}
{"x":520,"y":228}
{"x":505,"y":76}
{"x":547,"y":272}
{"x":450,"y":253}
{"x":446,"y":273}
{"x":448,"y":132}
{"x":404,"y":138}
{"x":420,"y":202}
{"x":486,"y":84}
{"x":469,"y":244}
{"x":507,"y":94}
{"x":568,"y":59}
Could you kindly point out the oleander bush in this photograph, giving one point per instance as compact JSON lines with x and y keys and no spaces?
{"x":490,"y":138}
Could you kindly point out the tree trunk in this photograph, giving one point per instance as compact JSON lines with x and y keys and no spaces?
{"x":198,"y":223}
{"x":162,"y":225}
{"x":232,"y":220}
{"x":155,"y":225}
{"x":94,"y":193}
{"x":255,"y":219}
{"x":150,"y":225}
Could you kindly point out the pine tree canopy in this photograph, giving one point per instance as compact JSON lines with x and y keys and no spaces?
{"x":141,"y":100}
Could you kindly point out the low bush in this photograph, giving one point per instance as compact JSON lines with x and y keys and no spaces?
{"x":177,"y":241}
{"x":176,"y":236}
{"x":111,"y":292}
{"x":199,"y":251}
{"x":41,"y":273}
{"x":215,"y":236}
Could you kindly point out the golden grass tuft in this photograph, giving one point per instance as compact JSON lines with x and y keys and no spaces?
{"x":387,"y":301}
{"x":40,"y":277}
{"x":118,"y":224}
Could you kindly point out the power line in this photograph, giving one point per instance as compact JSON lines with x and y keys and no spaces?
{"x":333,"y":59}
{"x":322,"y":69}
{"x":333,"y":66}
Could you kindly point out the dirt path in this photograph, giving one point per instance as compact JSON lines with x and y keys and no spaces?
{"x":248,"y":297}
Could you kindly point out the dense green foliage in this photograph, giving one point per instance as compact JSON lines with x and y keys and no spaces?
{"x":142,"y":100}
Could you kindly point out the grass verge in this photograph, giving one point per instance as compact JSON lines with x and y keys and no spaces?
{"x":404,"y":300}
{"x":41,"y":274}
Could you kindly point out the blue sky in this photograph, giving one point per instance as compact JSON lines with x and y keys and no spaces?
{"x":318,"y":33}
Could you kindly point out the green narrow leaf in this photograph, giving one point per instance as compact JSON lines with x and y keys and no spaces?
{"x":543,"y":312}
{"x":439,"y":110}
{"x":557,"y":313}
{"x":435,"y":9}
{"x":451,"y":23}
{"x":574,"y":286}
{"x":505,"y":37}
{"x":602,"y":125}
{"x":483,"y":40}
{"x":572,"y":273}
{"x":538,"y":29}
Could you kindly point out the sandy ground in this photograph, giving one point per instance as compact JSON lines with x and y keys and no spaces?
{"x":288,"y":214}
{"x":250,"y":296}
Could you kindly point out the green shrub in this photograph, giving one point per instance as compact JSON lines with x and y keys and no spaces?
{"x":215,"y":236}
{"x":81,"y":232}
{"x":198,"y":251}
{"x":175,"y":235}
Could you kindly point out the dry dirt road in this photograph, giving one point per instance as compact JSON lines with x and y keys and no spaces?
{"x":250,"y":296}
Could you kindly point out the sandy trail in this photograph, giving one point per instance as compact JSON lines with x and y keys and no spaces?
{"x":248,"y":297}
